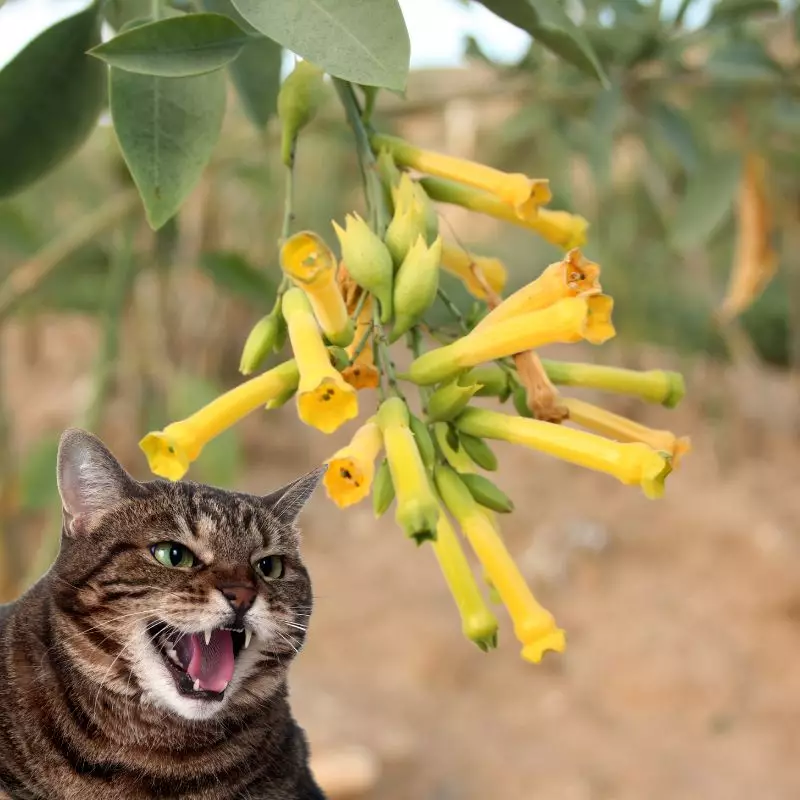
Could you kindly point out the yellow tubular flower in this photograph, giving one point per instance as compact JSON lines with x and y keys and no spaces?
{"x":574,"y":276}
{"x":559,"y":227}
{"x":324,"y":399}
{"x":568,"y":320}
{"x":755,"y":260}
{"x":653,"y":386}
{"x":477,"y":621}
{"x":534,"y":626}
{"x":311,"y":265}
{"x":417,"y":510}
{"x":632,"y":464}
{"x":362,"y":373}
{"x":622,"y":429}
{"x":463,"y":265}
{"x":522,"y":194}
{"x":351,"y":469}
{"x":169,"y":452}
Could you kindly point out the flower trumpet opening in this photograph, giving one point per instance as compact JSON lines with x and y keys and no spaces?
{"x":324,"y":399}
{"x":168,"y":455}
{"x":328,"y":405}
{"x":306,"y":258}
{"x":169,"y":452}
{"x":351,"y":470}
{"x":573,"y":276}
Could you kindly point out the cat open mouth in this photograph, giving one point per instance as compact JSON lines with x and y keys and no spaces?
{"x":201,"y":664}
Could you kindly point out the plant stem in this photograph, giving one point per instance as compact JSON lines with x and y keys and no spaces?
{"x":118,"y":285}
{"x":454,"y":310}
{"x":155,"y":9}
{"x":359,"y":348}
{"x":373,"y":190}
{"x":27,"y":276}
{"x":381,"y":345}
{"x":288,"y":205}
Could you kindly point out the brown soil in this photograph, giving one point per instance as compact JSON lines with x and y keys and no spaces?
{"x":683,"y":618}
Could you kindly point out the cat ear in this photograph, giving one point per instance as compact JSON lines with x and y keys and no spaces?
{"x":90,"y":479}
{"x":287,"y":502}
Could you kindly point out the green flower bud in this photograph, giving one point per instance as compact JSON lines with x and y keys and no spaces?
{"x":389,"y":174}
{"x":408,"y":222}
{"x":493,"y":379}
{"x":368,"y":261}
{"x":448,"y":401}
{"x":424,"y":440}
{"x":479,"y":451}
{"x":260,"y":343}
{"x":299,"y":99}
{"x":520,"y":396}
{"x":415,"y":285}
{"x":487,"y":494}
{"x":382,"y":490}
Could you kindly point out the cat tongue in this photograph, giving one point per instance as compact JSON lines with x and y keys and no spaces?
{"x":211,"y":664}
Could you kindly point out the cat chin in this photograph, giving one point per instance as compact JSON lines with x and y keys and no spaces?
{"x":159,"y":689}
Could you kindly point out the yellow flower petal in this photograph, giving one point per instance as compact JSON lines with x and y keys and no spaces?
{"x":606,"y":423}
{"x":632,"y":464}
{"x":568,"y":320}
{"x":534,"y":626}
{"x":362,"y":373}
{"x":574,"y":276}
{"x":465,"y":265}
{"x":558,"y":227}
{"x":519,"y":192}
{"x":478,"y":623}
{"x":417,"y":510}
{"x":352,"y":469}
{"x":324,"y":400}
{"x":311,"y":265}
{"x":169,"y":452}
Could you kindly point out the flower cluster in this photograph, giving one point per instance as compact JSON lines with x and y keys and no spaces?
{"x":341,"y":316}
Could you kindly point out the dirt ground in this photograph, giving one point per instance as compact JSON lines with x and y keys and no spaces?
{"x":683,"y":620}
{"x":680,"y":681}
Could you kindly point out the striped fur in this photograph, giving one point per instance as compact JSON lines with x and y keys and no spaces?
{"x":88,"y":709}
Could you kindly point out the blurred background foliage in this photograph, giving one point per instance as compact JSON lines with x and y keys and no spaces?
{"x":653,"y":160}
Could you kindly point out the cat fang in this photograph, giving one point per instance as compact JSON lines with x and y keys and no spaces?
{"x":201,"y":664}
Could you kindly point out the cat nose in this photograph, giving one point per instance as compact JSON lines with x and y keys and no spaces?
{"x":241,"y":598}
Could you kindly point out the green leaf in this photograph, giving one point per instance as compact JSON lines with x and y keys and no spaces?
{"x":120,"y":12}
{"x":707,"y":201}
{"x":167,"y":129}
{"x":51,"y":94}
{"x":256,"y":72}
{"x":367,"y":46}
{"x":37,"y":483}
{"x":742,"y":60}
{"x":732,"y":11}
{"x":177,"y":47}
{"x":674,"y":128}
{"x":233,"y":273}
{"x":549,"y":24}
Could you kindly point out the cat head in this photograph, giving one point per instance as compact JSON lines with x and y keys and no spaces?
{"x":178,"y":595}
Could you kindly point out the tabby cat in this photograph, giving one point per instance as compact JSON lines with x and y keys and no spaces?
{"x":151,"y":660}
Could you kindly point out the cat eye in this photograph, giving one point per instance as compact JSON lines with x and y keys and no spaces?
{"x":270,"y":567}
{"x":173,"y":555}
